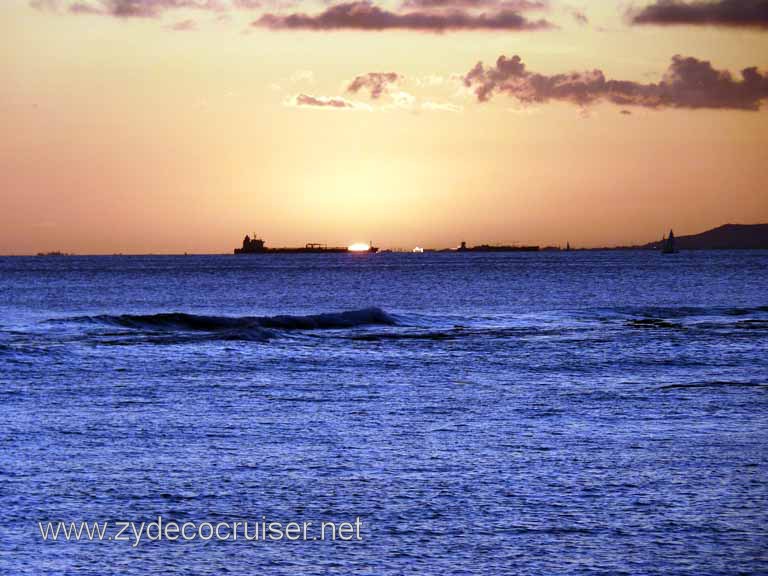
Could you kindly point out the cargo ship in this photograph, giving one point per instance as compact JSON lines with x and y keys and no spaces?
{"x":488,"y":248}
{"x":258,"y":246}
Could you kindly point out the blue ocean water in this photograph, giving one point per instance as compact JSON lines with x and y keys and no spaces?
{"x":548,"y":413}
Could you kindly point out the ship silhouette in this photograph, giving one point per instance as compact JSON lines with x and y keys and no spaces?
{"x":488,"y":248}
{"x":258,"y":246}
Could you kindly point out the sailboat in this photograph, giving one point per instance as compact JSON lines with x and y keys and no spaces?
{"x":668,"y":244}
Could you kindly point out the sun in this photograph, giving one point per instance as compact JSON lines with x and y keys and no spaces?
{"x":359,"y":247}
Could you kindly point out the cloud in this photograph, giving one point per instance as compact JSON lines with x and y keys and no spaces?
{"x":364,"y":15}
{"x":380,"y":83}
{"x":377,"y":83}
{"x":83,"y":8}
{"x":410,"y":103}
{"x":142,"y":8}
{"x":441,"y":106}
{"x":404,"y":100}
{"x":330,"y":103}
{"x":429,"y":80}
{"x":427,"y":15}
{"x":688,"y":83}
{"x":184,"y":26}
{"x":398,"y":100}
{"x":518,"y":5}
{"x":737,"y":13}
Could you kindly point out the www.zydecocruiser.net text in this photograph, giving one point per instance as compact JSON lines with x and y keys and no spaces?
{"x":262,"y":530}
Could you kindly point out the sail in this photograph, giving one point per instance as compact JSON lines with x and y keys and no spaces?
{"x":668,"y":246}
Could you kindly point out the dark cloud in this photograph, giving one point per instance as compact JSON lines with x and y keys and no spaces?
{"x":83,"y":8}
{"x":427,"y":15}
{"x":517,"y":5}
{"x":688,"y":83}
{"x":141,"y":8}
{"x":738,"y":13}
{"x":321,"y":102}
{"x":363,"y":15}
{"x":375,"y":82}
{"x":154,"y":8}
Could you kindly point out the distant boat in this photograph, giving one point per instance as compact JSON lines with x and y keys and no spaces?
{"x":488,"y":248}
{"x":725,"y":237}
{"x":668,"y":244}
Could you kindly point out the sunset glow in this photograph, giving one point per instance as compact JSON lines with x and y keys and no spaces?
{"x":152,"y":126}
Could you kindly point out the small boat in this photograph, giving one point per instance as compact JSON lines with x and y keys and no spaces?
{"x":668,"y":244}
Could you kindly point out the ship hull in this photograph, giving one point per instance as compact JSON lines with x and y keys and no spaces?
{"x":305,"y":251}
{"x":500,"y":249}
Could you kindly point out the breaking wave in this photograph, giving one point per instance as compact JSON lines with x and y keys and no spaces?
{"x":566,"y":327}
{"x":173,"y":321}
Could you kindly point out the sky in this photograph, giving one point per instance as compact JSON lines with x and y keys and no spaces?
{"x":169,"y":126}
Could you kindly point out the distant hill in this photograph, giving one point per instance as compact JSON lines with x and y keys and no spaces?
{"x":726,"y":237}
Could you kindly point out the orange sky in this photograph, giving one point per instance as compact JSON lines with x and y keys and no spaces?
{"x":121,"y":134}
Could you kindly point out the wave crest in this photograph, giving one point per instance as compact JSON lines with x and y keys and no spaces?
{"x":170,"y":321}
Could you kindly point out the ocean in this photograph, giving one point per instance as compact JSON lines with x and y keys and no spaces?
{"x":588,"y":412}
